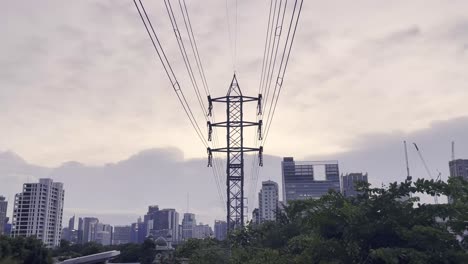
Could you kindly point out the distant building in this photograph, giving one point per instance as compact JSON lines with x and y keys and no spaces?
{"x":188,"y":224}
{"x":8,"y":228}
{"x":70,"y":233}
{"x":166,"y":224}
{"x":202,"y":231}
{"x":149,"y":219}
{"x":103,"y":234}
{"x":38,"y":211}
{"x":89,"y":229}
{"x":300,"y":179}
{"x":349,"y":181}
{"x":121,"y":235}
{"x":71,"y":223}
{"x":459,"y":168}
{"x":256,"y":216}
{"x":134,"y":233}
{"x":268,"y":201}
{"x":220,"y":230}
{"x":3,"y":213}
{"x":80,"y":230}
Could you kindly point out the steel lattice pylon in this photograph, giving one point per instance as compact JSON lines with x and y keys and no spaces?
{"x":235,"y":149}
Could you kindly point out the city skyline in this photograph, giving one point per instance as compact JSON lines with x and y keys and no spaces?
{"x":348,"y":163}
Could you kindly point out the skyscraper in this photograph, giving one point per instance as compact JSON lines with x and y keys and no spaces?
{"x":300,"y":179}
{"x":89,"y":229}
{"x":3,"y":212}
{"x":459,"y":168}
{"x":202,"y":231}
{"x":103,"y":234}
{"x":71,"y":223}
{"x":349,"y":181}
{"x":80,"y":230}
{"x":121,"y":235}
{"x":166,"y":225}
{"x":256,"y":216}
{"x":149,"y":219}
{"x":188,"y":224}
{"x":268,"y":201}
{"x":38,"y":211}
{"x":220,"y":230}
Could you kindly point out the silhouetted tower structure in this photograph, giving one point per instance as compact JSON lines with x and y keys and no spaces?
{"x":235,"y":148}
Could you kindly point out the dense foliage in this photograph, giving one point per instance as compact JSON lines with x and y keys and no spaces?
{"x":382,"y":225}
{"x":23,"y":250}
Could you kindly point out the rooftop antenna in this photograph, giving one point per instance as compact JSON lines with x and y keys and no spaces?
{"x":187,"y":202}
{"x":453,"y":150}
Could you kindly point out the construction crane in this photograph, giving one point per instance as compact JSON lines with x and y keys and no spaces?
{"x":436,"y":199}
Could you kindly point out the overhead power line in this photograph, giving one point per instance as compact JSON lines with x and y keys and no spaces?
{"x":288,"y":44}
{"x":173,"y":79}
{"x":283,"y":65}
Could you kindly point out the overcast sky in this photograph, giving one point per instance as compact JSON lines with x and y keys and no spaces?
{"x":79,"y":81}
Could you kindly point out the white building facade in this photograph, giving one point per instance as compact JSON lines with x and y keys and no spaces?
{"x":268,"y":201}
{"x":38,"y":211}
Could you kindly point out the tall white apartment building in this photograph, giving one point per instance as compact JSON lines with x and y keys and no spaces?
{"x":38,"y":211}
{"x":268,"y":201}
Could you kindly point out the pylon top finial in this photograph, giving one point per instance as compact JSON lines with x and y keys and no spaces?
{"x":234,"y":88}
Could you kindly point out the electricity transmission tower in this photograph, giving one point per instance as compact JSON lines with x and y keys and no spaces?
{"x":235,"y":148}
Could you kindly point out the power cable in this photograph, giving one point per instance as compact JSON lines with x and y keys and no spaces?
{"x":282,"y":69}
{"x":169,"y":71}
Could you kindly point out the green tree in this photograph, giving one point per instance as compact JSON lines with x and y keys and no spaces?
{"x":23,"y":250}
{"x":206,"y":251}
{"x":148,"y":251}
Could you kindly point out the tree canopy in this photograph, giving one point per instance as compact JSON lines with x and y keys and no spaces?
{"x":380,"y":225}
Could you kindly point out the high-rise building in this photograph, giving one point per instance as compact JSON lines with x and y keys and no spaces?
{"x":459,"y":168}
{"x":3,"y":213}
{"x":349,"y":181}
{"x":70,"y":233}
{"x":71,"y":223}
{"x":89,"y":229}
{"x":166,"y":225}
{"x":256,"y":216}
{"x":188,"y":224}
{"x":202,"y":231}
{"x":301,"y":179}
{"x":121,"y":235}
{"x":149,"y":219}
{"x":268,"y":201}
{"x":38,"y":211}
{"x":80,"y":231}
{"x":220,"y":230}
{"x":103,"y":234}
{"x":134,"y":233}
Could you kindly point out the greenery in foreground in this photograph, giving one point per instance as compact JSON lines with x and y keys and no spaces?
{"x":375,"y":227}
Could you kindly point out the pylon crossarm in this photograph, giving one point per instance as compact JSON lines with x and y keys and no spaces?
{"x":235,"y":124}
{"x":235,"y":149}
{"x":244,"y":99}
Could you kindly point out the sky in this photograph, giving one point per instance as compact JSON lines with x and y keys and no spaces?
{"x":83,"y":98}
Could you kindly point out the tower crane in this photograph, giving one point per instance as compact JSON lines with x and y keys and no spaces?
{"x":436,"y":199}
